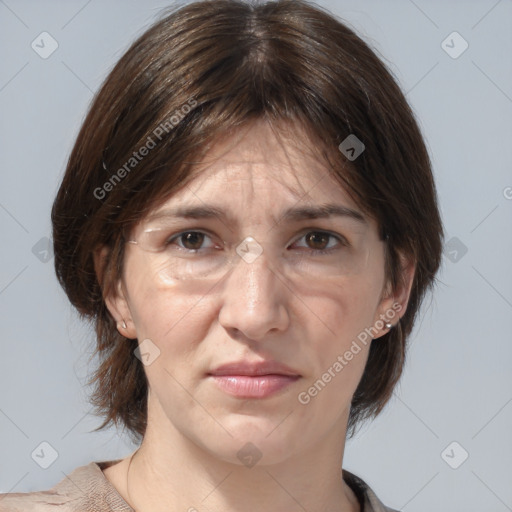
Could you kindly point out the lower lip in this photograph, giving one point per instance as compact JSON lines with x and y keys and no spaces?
{"x":258,"y":386}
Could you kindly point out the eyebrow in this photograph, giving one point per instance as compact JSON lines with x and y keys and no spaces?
{"x":322,"y":212}
{"x":294,"y":214}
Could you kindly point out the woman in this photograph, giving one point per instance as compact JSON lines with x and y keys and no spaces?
{"x":250,"y":219}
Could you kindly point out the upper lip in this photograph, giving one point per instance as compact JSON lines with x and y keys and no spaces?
{"x":254,"y":368}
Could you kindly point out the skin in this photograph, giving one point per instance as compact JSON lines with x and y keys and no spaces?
{"x":188,"y":457}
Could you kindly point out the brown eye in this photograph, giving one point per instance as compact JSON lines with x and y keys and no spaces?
{"x":192,"y":240}
{"x":317,"y":240}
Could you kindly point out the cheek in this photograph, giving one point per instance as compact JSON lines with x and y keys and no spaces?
{"x":338,"y":346}
{"x":168,"y":316}
{"x":346,"y":306}
{"x":342,"y":310}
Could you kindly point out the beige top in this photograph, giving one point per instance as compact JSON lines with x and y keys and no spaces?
{"x":87,"y":489}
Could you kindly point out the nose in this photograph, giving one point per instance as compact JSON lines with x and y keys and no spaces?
{"x":254,"y":300}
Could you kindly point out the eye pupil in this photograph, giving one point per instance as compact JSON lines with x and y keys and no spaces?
{"x":192,"y":240}
{"x":314,"y":239}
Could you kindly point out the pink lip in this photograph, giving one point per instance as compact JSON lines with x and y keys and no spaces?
{"x":253,"y":380}
{"x":254,"y":369}
{"x":262,"y":386}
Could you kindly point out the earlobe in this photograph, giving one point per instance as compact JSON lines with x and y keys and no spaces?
{"x":118,"y":306}
{"x":126,"y":329}
{"x":394,"y":302}
{"x":114,"y":297}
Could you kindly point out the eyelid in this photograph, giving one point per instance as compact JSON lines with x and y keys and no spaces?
{"x":342,"y":240}
{"x":176,"y":236}
{"x":338,"y":236}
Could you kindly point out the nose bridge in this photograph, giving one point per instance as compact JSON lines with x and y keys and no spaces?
{"x":251,"y":275}
{"x":254,"y":300}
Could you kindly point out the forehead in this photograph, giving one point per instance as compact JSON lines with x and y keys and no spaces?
{"x":259,"y":172}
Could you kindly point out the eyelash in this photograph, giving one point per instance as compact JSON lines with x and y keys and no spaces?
{"x":341,"y":241}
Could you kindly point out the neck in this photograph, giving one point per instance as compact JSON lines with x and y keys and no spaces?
{"x":180,"y":475}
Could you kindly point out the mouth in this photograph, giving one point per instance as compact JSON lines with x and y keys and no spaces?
{"x":258,"y":386}
{"x":244,"y":379}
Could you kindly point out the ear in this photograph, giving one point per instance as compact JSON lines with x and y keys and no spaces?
{"x":393,"y":304}
{"x":114,"y":296}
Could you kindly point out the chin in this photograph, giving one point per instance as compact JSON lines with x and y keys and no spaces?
{"x":254,"y":441}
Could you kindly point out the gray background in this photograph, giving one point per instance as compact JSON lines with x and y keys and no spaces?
{"x":457,"y":384}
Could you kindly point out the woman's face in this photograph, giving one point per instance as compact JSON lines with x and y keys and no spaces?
{"x":212,"y":296}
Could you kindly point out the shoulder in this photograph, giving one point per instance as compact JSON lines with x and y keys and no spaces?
{"x":83,"y":490}
{"x":368,"y":499}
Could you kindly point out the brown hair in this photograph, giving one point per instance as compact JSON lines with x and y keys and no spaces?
{"x":201,"y":71}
